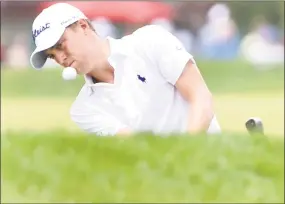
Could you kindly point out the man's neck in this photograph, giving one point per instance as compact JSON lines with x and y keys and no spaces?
{"x":106,"y":72}
{"x":103,"y":75}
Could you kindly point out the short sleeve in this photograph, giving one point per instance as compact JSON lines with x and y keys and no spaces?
{"x":165,"y":50}
{"x":97,"y":122}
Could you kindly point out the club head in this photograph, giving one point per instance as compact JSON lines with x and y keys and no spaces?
{"x":254,"y":126}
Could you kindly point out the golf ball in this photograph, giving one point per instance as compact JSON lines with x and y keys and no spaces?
{"x":69,"y":73}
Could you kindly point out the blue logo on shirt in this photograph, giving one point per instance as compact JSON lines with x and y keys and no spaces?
{"x":36,"y":32}
{"x":142,"y":79}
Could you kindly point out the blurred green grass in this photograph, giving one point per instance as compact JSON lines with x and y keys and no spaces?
{"x":221,"y":77}
{"x":63,"y":167}
{"x":47,"y":113}
{"x":40,"y":100}
{"x":40,"y":164}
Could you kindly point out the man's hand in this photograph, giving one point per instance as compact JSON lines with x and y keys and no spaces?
{"x":124,"y":132}
{"x":194,"y":89}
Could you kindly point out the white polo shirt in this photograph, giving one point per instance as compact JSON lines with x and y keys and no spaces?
{"x":143,"y":97}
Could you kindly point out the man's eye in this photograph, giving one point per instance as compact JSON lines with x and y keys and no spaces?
{"x":59,"y":45}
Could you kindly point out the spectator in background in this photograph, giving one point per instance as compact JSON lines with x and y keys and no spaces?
{"x":17,"y":54}
{"x":219,"y":38}
{"x":104,"y":27}
{"x":262,"y":45}
{"x":165,"y":23}
{"x":184,"y":35}
{"x":2,"y":54}
{"x":267,"y":30}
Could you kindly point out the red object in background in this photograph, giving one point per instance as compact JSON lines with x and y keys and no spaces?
{"x":2,"y":53}
{"x":122,"y":11}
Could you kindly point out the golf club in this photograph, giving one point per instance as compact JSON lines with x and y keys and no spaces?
{"x":254,"y":126}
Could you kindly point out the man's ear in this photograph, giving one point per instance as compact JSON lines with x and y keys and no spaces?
{"x":82,"y":24}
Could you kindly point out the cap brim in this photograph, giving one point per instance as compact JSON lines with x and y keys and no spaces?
{"x":39,"y":57}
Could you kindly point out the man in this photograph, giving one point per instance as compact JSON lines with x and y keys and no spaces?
{"x":145,"y":81}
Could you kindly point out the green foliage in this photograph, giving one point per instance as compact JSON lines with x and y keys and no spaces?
{"x":61,"y":167}
{"x":30,"y":82}
{"x":225,"y":77}
{"x":240,"y":77}
{"x":281,"y":10}
{"x":244,"y":12}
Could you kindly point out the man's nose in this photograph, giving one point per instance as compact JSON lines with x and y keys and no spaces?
{"x":62,"y":59}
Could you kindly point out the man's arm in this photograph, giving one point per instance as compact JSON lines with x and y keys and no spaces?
{"x":178,"y":67}
{"x":193,"y":88}
{"x":98,"y":122}
{"x":124,"y":132}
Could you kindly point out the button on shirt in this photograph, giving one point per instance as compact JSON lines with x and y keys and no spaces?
{"x":143,"y":97}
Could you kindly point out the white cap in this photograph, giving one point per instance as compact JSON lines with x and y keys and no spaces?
{"x":49,"y":26}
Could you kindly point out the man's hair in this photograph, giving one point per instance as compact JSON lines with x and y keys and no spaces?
{"x":74,"y":25}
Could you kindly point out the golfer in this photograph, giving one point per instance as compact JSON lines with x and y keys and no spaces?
{"x":145,"y":81}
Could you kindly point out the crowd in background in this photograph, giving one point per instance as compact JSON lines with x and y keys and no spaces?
{"x":214,"y":36}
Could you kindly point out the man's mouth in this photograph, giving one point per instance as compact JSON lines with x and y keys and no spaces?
{"x":71,"y":64}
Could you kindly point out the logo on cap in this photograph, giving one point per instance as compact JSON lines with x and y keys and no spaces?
{"x":36,"y":32}
{"x":68,"y":20}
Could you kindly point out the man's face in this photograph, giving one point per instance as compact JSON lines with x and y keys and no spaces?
{"x":73,"y":50}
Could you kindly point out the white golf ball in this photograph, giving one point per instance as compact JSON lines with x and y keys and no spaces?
{"x":69,"y":73}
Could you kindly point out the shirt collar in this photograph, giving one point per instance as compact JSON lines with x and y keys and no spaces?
{"x":119,"y":49}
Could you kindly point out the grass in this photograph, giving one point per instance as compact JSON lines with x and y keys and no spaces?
{"x":234,"y":109}
{"x":60,"y":167}
{"x":45,"y":114}
{"x":221,"y":77}
{"x":46,"y":158}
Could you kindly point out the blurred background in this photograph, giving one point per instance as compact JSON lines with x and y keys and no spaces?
{"x":239,"y":47}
